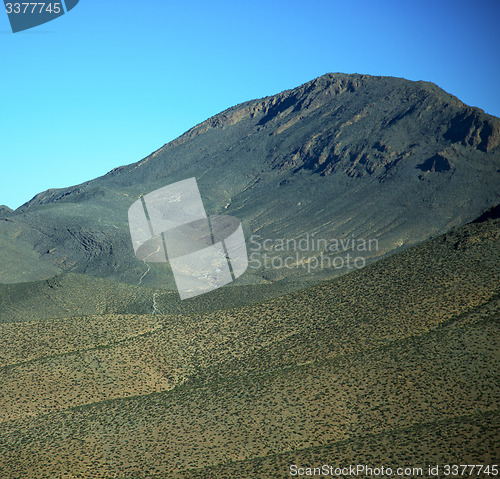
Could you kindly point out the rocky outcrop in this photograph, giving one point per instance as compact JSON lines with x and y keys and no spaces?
{"x":474,"y":128}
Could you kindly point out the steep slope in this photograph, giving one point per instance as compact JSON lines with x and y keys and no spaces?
{"x":397,"y":362}
{"x":342,"y":156}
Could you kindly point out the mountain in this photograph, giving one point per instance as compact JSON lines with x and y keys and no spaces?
{"x":395,"y":364}
{"x":342,"y":157}
{"x":5,"y":210}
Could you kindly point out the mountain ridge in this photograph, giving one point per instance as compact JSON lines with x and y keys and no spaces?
{"x":467,"y":127}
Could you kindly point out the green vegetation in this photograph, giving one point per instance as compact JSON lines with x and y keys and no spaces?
{"x":395,"y":364}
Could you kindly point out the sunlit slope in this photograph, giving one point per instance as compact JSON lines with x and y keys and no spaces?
{"x":69,"y":294}
{"x":407,"y":347}
{"x":418,"y":386}
{"x":463,"y":439}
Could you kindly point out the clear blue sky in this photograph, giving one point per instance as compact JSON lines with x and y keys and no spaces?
{"x":112,"y":81}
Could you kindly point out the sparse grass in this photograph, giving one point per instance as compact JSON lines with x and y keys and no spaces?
{"x":394,"y":364}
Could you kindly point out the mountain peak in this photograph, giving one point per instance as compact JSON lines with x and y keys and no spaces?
{"x":376,"y":113}
{"x":365,"y":125}
{"x":316,"y":92}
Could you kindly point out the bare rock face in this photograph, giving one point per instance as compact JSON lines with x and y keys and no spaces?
{"x":435,"y":164}
{"x":471,"y":128}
